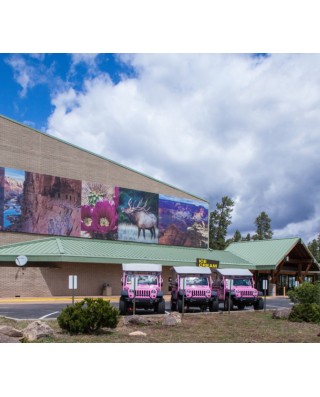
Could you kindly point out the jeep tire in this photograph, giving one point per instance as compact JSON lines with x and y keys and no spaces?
{"x":214,"y":306}
{"x":226,"y":304}
{"x":173,"y":305}
{"x":161,"y":307}
{"x":259,"y":305}
{"x":123,"y":306}
{"x":179,"y":305}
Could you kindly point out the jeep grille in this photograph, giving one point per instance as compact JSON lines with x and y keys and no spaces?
{"x":143,"y":293}
{"x":200,"y":293}
{"x":246,"y":293}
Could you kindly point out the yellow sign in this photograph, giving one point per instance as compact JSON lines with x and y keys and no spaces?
{"x":207,"y":263}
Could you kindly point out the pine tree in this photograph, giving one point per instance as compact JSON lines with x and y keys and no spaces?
{"x":263,"y":224}
{"x":220,"y":219}
{"x":314,"y":248}
{"x":237,"y":236}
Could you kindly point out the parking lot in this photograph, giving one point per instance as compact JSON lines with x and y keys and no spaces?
{"x":49,"y":308}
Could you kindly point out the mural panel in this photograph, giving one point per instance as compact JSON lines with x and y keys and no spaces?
{"x":1,"y":196}
{"x":12,"y":199}
{"x":138,"y":216}
{"x":51,"y":205}
{"x":183,"y":222}
{"x":99,"y":217}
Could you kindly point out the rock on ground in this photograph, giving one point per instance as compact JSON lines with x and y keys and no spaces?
{"x":172,"y":319}
{"x":281,"y":314}
{"x":8,"y":330}
{"x":137,"y":333}
{"x":8,"y":339}
{"x":37,"y":330}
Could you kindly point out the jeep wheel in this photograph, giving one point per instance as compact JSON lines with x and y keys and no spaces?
{"x":161,"y":307}
{"x":179,"y":305}
{"x":123,"y":306}
{"x":173,"y":305}
{"x":259,"y":305}
{"x":214,"y":306}
{"x":226,"y":304}
{"x":241,"y":306}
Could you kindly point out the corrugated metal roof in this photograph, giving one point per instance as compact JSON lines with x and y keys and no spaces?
{"x":67,"y":249}
{"x":265,"y":254}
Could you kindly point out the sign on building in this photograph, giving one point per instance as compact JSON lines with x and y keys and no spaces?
{"x":207,"y":263}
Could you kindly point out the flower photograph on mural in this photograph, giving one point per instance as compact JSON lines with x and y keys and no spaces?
{"x":99,"y":218}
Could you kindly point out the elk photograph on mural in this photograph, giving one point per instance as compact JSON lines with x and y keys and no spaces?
{"x":183,"y":222}
{"x":138,"y":216}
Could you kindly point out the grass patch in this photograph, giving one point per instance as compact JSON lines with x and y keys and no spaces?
{"x":243,"y":327}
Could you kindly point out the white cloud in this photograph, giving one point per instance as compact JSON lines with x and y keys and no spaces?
{"x":29,"y":74}
{"x":213,"y":125}
{"x":22,"y":73}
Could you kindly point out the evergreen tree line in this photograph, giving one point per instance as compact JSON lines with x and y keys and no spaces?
{"x":314,"y":248}
{"x":220,"y":220}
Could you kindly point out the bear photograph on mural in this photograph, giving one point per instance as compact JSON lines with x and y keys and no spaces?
{"x":138,"y":216}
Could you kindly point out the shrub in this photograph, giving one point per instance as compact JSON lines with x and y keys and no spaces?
{"x":308,"y":312}
{"x":305,"y":293}
{"x":88,"y":316}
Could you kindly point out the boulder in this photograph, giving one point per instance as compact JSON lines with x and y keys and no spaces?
{"x":10,"y":331}
{"x":281,"y":314}
{"x":137,"y":333}
{"x":137,"y":320}
{"x":172,"y":319}
{"x":37,"y":330}
{"x":8,"y":339}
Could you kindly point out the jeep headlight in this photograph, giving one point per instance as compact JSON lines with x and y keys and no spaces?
{"x":208,"y":293}
{"x":188,"y":293}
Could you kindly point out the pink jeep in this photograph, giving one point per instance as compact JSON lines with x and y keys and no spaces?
{"x":192,"y":285}
{"x":141,"y":287}
{"x":242,"y":291}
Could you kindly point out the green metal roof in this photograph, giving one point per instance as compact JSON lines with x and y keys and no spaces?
{"x":265,"y":254}
{"x":66,"y":249}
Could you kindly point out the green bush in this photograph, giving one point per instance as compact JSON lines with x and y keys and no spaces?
{"x":88,"y":316}
{"x":305,"y":312}
{"x":306,"y":293}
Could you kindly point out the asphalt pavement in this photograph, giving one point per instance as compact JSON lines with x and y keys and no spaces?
{"x":31,"y":308}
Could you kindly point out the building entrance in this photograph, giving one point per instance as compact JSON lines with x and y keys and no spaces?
{"x":285,"y":283}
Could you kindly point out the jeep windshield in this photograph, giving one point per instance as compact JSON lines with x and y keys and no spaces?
{"x":242,"y":282}
{"x":196,"y":281}
{"x":143,"y":280}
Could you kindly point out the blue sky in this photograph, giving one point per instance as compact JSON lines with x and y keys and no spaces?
{"x":241,"y":125}
{"x":30,"y":81}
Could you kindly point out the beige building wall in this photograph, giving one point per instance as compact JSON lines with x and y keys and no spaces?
{"x":53,"y":279}
{"x":26,"y":149}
